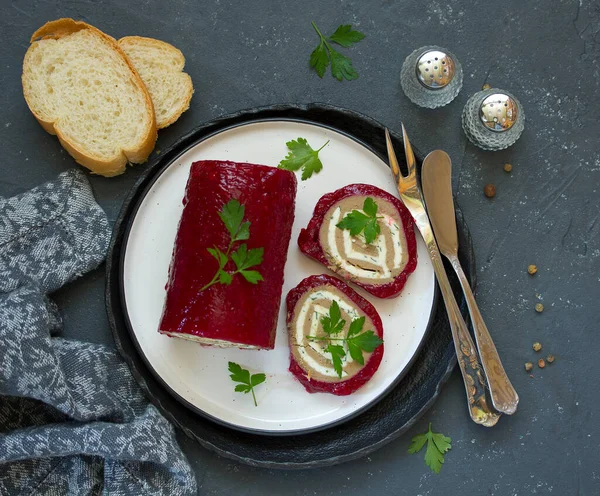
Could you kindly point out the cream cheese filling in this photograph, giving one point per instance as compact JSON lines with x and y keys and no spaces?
{"x":315,"y":312}
{"x":384,"y":270}
{"x":220,"y":343}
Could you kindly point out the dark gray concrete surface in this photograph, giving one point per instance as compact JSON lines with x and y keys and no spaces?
{"x":547,"y":52}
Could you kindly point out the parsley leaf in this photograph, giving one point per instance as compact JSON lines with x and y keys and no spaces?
{"x":252,"y":276}
{"x":319,"y":59}
{"x":370,"y":207}
{"x":367,"y":341}
{"x":302,"y":156}
{"x":255,"y":257}
{"x":337,"y":353}
{"x":345,"y":36}
{"x":232,"y":215}
{"x":356,"y":326}
{"x":437,"y":445}
{"x":247,"y":381}
{"x":244,"y":258}
{"x":333,"y":323}
{"x":356,"y":340}
{"x":224,"y":277}
{"x":442,"y":443}
{"x":355,"y":222}
{"x":341,"y":66}
{"x":219,"y":255}
{"x":417,"y":443}
{"x":367,"y":222}
{"x":243,"y":232}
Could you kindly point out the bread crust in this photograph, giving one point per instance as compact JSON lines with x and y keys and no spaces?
{"x":63,"y":27}
{"x":185,"y":104}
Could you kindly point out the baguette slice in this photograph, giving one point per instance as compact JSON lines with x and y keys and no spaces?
{"x":160,"y":65}
{"x":80,"y":86}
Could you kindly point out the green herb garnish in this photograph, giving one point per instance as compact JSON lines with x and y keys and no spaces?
{"x":333,"y":322}
{"x":357,"y":222}
{"x":302,"y":156}
{"x":437,"y":445}
{"x":232,"y":215}
{"x":247,"y":381}
{"x":356,"y":340}
{"x":341,"y":66}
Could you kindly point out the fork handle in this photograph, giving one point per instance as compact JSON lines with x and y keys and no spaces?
{"x":480,"y":411}
{"x":503,"y":394}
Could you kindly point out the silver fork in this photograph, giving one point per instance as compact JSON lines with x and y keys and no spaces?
{"x":468,"y":361}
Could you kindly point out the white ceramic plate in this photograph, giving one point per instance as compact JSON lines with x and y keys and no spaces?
{"x":198,"y":375}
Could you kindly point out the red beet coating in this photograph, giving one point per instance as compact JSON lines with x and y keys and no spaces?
{"x":310,"y":245}
{"x":241,"y":313}
{"x":343,"y":387}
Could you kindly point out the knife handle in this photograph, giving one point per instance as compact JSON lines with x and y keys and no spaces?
{"x":475,"y":385}
{"x":503,"y":394}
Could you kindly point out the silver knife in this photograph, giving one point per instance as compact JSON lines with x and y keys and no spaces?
{"x":436,"y":181}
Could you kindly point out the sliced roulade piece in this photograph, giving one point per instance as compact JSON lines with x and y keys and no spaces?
{"x":226,"y":273}
{"x":365,"y":235}
{"x":335,"y":336}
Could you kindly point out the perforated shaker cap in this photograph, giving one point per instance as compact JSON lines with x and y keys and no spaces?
{"x":498,"y":112}
{"x":435,"y":69}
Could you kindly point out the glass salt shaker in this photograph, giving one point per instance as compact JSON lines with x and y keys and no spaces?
{"x":493,"y":119}
{"x":431,"y":76}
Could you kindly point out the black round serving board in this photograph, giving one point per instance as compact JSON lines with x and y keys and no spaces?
{"x":359,"y":436}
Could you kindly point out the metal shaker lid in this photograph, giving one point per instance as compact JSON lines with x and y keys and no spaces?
{"x":498,"y":112}
{"x":435,"y":69}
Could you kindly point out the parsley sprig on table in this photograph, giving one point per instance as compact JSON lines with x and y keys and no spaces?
{"x":356,"y":340}
{"x":357,"y":222}
{"x":247,"y":381}
{"x":437,"y":445}
{"x":341,"y":66}
{"x":302,"y":156}
{"x":232,"y":215}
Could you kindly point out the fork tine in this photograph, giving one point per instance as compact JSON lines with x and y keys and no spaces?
{"x":408,"y":152}
{"x":392,"y":155}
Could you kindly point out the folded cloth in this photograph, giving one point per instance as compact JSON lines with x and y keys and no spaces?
{"x":72,"y":419}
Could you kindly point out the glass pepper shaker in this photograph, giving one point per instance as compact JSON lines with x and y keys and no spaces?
{"x":493,"y":119}
{"x":431,"y":76}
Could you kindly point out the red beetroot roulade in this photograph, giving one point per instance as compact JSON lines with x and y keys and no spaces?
{"x":380,"y":267}
{"x":239,"y":314}
{"x":307,"y":305}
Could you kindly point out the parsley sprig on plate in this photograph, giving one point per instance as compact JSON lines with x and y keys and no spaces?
{"x":302,"y":156}
{"x":246,"y":381}
{"x":358,"y":222}
{"x":355,"y":340}
{"x":324,"y":54}
{"x":232,"y":215}
{"x":437,"y":445}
